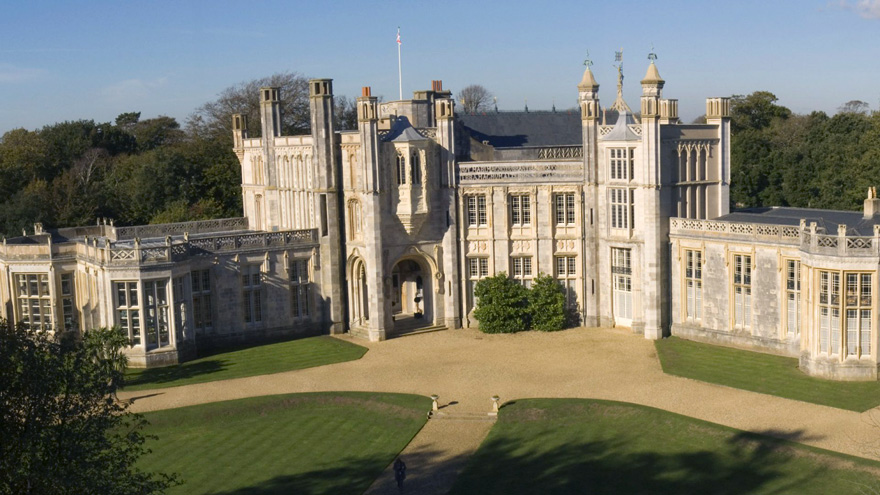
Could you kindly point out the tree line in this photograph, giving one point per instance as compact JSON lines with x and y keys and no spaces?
{"x":779,"y":158}
{"x":153,"y":170}
{"x":136,"y":170}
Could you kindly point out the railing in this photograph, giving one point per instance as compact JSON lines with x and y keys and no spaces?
{"x":784,"y":234}
{"x":196,"y":227}
{"x":635,"y":128}
{"x":810,"y":239}
{"x":137,"y":253}
{"x":525,"y":172}
{"x":560,"y":152}
{"x":840,"y":244}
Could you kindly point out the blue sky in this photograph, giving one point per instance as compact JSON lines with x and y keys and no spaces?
{"x":94,"y":60}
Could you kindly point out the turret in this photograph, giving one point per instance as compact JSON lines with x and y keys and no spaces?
{"x":444,"y":114}
{"x":270,"y":111}
{"x":718,"y":114}
{"x":652,"y":90}
{"x":368,"y":127}
{"x":323,"y":131}
{"x":588,"y":99}
{"x":588,"y":96}
{"x":668,"y":111}
{"x":327,"y":201}
{"x":270,"y":119}
{"x":650,"y":200}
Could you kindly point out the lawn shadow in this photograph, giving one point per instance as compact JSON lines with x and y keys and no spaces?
{"x":178,"y":372}
{"x":355,"y":475}
{"x":747,"y":462}
{"x":743,"y":463}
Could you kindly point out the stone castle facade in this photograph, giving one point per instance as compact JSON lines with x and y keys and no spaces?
{"x":385,"y":230}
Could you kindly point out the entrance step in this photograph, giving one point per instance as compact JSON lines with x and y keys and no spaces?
{"x":462,"y":416}
{"x":417,"y":330}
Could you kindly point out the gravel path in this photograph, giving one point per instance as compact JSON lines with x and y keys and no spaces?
{"x":435,"y":457}
{"x":466,"y":368}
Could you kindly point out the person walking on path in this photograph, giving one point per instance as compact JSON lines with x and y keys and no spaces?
{"x":399,"y":472}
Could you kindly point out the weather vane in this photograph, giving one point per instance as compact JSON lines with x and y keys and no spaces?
{"x":652,"y":56}
{"x":587,"y":62}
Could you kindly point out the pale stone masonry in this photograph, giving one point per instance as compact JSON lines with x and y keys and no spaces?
{"x":386,"y":229}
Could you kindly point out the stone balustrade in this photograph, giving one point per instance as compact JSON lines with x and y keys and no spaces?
{"x":165,"y":229}
{"x":810,"y":239}
{"x":549,"y":171}
{"x":104,"y":251}
{"x":140,"y":253}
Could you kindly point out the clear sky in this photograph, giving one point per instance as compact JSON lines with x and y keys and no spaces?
{"x":67,"y":60}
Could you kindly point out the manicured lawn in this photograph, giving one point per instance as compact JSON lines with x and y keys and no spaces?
{"x":251,"y":361}
{"x":334,"y":442}
{"x":764,"y":373}
{"x":560,"y":446}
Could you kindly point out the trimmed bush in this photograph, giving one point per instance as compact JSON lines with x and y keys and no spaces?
{"x":502,"y":305}
{"x":547,"y":304}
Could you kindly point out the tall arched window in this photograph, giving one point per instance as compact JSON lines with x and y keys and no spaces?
{"x":401,"y":168}
{"x":355,"y":218}
{"x":352,"y":172}
{"x":416,"y":168}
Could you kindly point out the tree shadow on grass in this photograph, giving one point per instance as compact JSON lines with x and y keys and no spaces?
{"x":742,"y":463}
{"x":177,"y":372}
{"x":350,"y":476}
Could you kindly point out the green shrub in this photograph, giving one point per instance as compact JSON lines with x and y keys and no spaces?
{"x":547,"y":304}
{"x":501,"y":305}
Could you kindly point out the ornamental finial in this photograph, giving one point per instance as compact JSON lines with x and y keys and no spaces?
{"x":587,"y":62}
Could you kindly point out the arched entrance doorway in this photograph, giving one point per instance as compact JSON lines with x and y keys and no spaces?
{"x":412,"y":304}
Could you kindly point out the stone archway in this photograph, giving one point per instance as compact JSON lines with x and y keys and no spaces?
{"x":412,"y":295}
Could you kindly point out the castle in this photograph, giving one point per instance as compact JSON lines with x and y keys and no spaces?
{"x":386,"y":229}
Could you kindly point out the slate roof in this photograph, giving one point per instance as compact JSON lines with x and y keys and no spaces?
{"x":621,"y":130}
{"x":403,"y":131}
{"x":520,"y":129}
{"x":855,"y":222}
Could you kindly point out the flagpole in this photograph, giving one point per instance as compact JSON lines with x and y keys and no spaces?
{"x":399,"y":72}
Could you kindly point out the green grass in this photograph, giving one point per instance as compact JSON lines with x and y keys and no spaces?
{"x":251,"y":361}
{"x":334,"y":442}
{"x":561,"y":446}
{"x":764,"y":373}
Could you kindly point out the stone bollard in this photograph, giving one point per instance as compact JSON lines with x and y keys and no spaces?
{"x":495,"y":400}
{"x":434,"y":405}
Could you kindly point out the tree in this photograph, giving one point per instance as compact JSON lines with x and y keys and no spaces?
{"x":156,"y":132}
{"x":755,"y":111}
{"x":501,"y":305}
{"x":854,"y":106}
{"x":22,"y":159}
{"x":547,"y":304}
{"x":346,"y":113}
{"x":474,"y":98}
{"x":214,"y":119}
{"x":77,"y":194}
{"x":126,"y":121}
{"x":62,"y":431}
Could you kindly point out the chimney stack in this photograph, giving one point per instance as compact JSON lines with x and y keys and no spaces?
{"x":872,"y":203}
